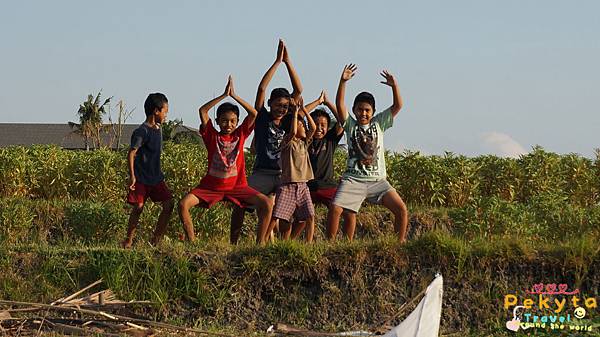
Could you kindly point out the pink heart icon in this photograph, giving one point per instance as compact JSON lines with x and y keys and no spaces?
{"x":513,"y":325}
{"x":538,"y":288}
{"x":562,"y":288}
{"x":551,"y":287}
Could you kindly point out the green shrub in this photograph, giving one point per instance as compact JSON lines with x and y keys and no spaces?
{"x":16,"y":220}
{"x":450,"y":180}
{"x":14,"y":165}
{"x":89,"y":221}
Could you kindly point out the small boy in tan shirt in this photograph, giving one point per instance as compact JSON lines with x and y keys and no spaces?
{"x":293,"y":196}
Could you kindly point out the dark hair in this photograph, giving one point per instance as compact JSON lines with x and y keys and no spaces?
{"x":154,"y":102}
{"x":279,"y":92}
{"x":286,"y":122}
{"x":365,"y":97}
{"x":227,"y":107}
{"x":320,"y":113}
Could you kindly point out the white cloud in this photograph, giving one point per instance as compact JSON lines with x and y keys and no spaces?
{"x":501,"y":144}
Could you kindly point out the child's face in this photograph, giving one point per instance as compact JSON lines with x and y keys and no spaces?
{"x":227,"y":122}
{"x":300,"y":130}
{"x":279,"y":107}
{"x":363,"y":112}
{"x":161,"y":115}
{"x":322,"y":127}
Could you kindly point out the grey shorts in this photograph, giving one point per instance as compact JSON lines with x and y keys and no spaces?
{"x":265,"y":181}
{"x":351,"y":193}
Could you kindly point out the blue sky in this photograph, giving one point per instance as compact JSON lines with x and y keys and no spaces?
{"x":476,"y":76}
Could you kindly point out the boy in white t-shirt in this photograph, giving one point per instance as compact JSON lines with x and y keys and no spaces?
{"x":365,"y":175}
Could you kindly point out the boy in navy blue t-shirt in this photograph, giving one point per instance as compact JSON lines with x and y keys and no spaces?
{"x":268,"y":136}
{"x":146,"y":179}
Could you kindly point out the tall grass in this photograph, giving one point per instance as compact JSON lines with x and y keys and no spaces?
{"x":449,"y":180}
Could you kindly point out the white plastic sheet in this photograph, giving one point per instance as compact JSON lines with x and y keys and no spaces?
{"x":424,"y":321}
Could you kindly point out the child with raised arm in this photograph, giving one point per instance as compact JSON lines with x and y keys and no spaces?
{"x":293,"y":197}
{"x":365,"y":176}
{"x":321,"y":152}
{"x":268,"y":136}
{"x":225,"y":178}
{"x":146,"y":179}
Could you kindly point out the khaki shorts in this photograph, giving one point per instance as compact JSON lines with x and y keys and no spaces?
{"x":265,"y":181}
{"x":351,"y":193}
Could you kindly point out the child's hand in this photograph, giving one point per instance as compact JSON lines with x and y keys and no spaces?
{"x":323,"y":97}
{"x":132,"y":183}
{"x":231,"y":91}
{"x":389,"y":78}
{"x":293,"y":104}
{"x":300,"y":105}
{"x":228,"y":87}
{"x":348,"y":72}
{"x":280,"y":51}
{"x":286,"y":56}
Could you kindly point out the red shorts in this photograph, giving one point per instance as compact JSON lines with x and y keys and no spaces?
{"x":323,"y":196}
{"x":236,"y":195}
{"x":157,"y":193}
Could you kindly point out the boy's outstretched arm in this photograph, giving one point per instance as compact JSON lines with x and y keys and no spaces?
{"x":312,"y":127}
{"x":340,"y":105}
{"x":259,"y":103}
{"x":296,"y":85}
{"x":294,"y":126}
{"x":338,"y":126}
{"x":312,"y":105}
{"x":249,"y":109}
{"x":203,"y":111}
{"x":391,"y":81}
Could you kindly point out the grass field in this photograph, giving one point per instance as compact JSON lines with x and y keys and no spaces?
{"x":492,"y":226}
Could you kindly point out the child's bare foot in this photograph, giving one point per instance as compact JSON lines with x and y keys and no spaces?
{"x":126,"y":244}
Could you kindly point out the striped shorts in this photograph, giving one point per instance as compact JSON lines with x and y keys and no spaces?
{"x":293,"y":200}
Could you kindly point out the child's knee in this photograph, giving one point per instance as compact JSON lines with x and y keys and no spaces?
{"x":393,"y":201}
{"x":264,"y":202}
{"x":399,"y":208}
{"x":348,"y":216}
{"x":189,"y":201}
{"x":137,"y":208}
{"x":336,"y":210}
{"x":402,"y":205}
{"x":183,"y":204}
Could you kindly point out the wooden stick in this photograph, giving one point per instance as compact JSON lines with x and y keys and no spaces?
{"x":72,"y":296}
{"x":24,"y":310}
{"x":136,"y":326}
{"x":403,"y":307}
{"x":288,"y":330}
{"x":116,"y":317}
{"x":81,"y":332}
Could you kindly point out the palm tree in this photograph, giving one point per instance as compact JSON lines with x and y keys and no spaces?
{"x":90,"y":119}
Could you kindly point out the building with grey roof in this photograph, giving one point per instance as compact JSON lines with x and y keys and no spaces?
{"x":64,"y":136}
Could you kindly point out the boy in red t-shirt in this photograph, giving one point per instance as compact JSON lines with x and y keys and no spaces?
{"x":225,"y":178}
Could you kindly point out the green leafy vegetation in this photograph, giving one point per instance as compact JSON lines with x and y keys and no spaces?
{"x":490,"y":225}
